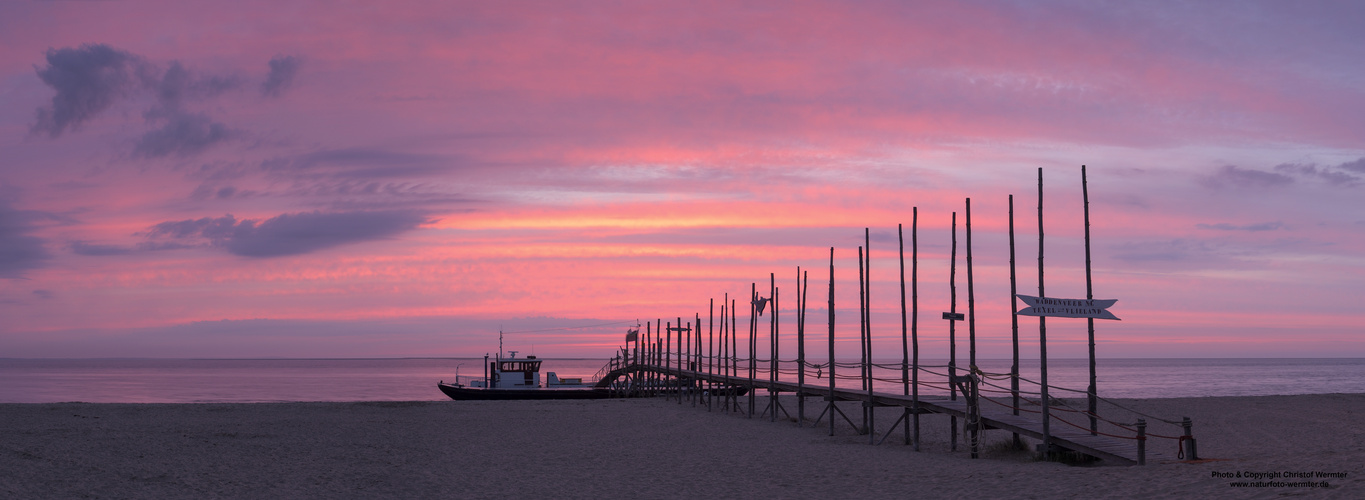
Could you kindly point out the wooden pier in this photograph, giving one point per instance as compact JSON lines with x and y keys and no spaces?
{"x":674,"y":360}
{"x":690,"y":385}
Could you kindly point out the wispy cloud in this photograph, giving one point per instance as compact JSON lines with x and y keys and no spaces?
{"x":1224,"y":226}
{"x":291,"y":234}
{"x":20,"y":251}
{"x":1231,"y":176}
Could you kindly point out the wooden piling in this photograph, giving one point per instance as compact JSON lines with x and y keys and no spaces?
{"x":905,"y":340}
{"x":952,"y":336}
{"x":801,"y":347}
{"x":753,"y":343}
{"x":974,"y":416}
{"x":830,"y":407}
{"x":772,"y":348}
{"x":1042,"y":333}
{"x":1142,"y":441}
{"x":914,"y":321}
{"x":862,"y":332}
{"x":1014,"y":329}
{"x":711,"y":356}
{"x":867,"y":320}
{"x":1089,"y":322}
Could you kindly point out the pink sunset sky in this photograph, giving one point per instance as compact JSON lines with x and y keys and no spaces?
{"x":314,"y":179}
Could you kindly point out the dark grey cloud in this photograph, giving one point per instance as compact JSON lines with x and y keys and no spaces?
{"x":19,"y":250}
{"x":88,"y":80}
{"x":182,"y":134}
{"x":1231,"y":176}
{"x":291,"y":234}
{"x":1326,"y":174}
{"x":1224,"y":226}
{"x":1354,"y":166}
{"x":97,"y":250}
{"x":43,"y":294}
{"x":366,"y":163}
{"x":281,"y":76}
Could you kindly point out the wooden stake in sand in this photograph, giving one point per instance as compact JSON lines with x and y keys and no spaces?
{"x":1089,"y":295}
{"x":914,"y":319}
{"x":1014,"y":328}
{"x":1042,"y":332}
{"x":952,"y":317}
{"x":905,"y":341}
{"x":973,"y":418}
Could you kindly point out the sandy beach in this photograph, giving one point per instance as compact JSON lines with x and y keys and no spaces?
{"x":632,"y":448}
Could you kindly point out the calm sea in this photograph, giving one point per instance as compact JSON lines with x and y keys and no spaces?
{"x":268,"y":380}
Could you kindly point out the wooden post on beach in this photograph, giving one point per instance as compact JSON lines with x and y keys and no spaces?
{"x":952,"y":335}
{"x":1089,"y":322}
{"x":1014,"y":329}
{"x":914,"y":320}
{"x":862,"y":332}
{"x":1042,"y":333}
{"x":724,"y":353}
{"x":734,"y":348}
{"x":867,"y":315}
{"x":682,"y":355}
{"x":696,"y":364}
{"x":772,"y":348}
{"x":753,"y":345}
{"x":1142,"y":441}
{"x":973,"y":408}
{"x":801,"y":348}
{"x":668,"y":356}
{"x":905,"y":340}
{"x":658,"y":354}
{"x":830,"y":407}
{"x":711,"y":356}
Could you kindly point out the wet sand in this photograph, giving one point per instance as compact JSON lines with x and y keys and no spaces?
{"x":633,"y":448}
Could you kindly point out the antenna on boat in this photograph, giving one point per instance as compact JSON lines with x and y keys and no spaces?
{"x":499,"y":343}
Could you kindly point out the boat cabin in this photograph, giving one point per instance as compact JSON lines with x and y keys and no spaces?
{"x":512,"y":373}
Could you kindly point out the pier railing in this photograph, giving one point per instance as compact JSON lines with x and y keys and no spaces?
{"x":982,"y":400}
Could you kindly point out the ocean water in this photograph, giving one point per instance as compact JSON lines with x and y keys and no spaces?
{"x":273,"y":380}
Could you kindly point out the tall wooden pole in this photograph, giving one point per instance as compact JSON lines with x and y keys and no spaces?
{"x":972,"y":400}
{"x":772,"y":347}
{"x":1014,"y":328}
{"x":867,"y":314}
{"x":905,"y":340}
{"x":711,"y":356}
{"x":971,"y":296}
{"x":648,"y":359}
{"x":830,"y":407}
{"x":862,"y":332}
{"x":952,"y":335}
{"x":1042,"y":332}
{"x":804,"y":286}
{"x":659,"y":356}
{"x":734,"y":348}
{"x":914,"y":320}
{"x":1090,"y":322}
{"x":753,"y":344}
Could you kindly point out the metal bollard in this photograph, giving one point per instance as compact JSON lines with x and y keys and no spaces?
{"x":1191,"y":452}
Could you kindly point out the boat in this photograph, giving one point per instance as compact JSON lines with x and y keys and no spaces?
{"x":519,"y":378}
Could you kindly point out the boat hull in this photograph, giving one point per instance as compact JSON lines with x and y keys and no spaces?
{"x":482,"y":394}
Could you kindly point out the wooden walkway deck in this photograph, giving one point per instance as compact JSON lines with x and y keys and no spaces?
{"x":1111,"y":450}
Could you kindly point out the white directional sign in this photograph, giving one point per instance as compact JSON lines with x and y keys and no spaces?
{"x":1067,"y":308}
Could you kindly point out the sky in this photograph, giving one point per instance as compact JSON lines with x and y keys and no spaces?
{"x":405,"y":179}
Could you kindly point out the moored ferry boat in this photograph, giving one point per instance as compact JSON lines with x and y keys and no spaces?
{"x":519,"y":378}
